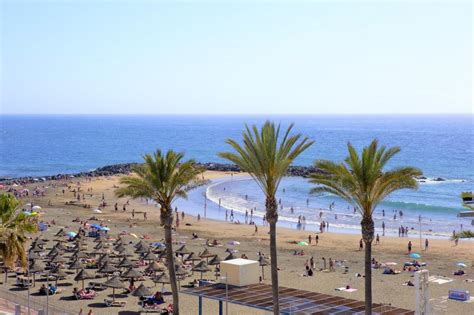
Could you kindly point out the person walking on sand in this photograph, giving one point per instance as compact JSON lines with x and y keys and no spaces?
{"x":377,"y":239}
{"x":199,"y":217}
{"x":256,"y":229}
{"x":361,"y":244}
{"x":316,"y":239}
{"x":427,"y":243}
{"x":409,"y":247}
{"x":324,"y":263}
{"x":145,"y":216}
{"x":383,"y":228}
{"x":133,"y":213}
{"x":331,"y":265}
{"x":309,"y":239}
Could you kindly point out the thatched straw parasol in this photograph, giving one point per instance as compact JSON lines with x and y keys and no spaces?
{"x":114,"y":283}
{"x":83,"y":275}
{"x":131,"y":273}
{"x":107,"y":268}
{"x":230,"y":257}
{"x":76,"y":265}
{"x":182,"y":250}
{"x":201,"y":267}
{"x":150,"y":257}
{"x":125,"y":263}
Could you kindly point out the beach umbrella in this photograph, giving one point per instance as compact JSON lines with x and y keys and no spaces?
{"x":78,"y":254}
{"x":59,"y":246}
{"x":150,"y":256}
{"x":139,"y":244}
{"x":36,"y":207}
{"x":103,"y":259}
{"x":230,"y":257}
{"x":83,"y":275}
{"x":53,"y":252}
{"x":181,"y":272}
{"x":162,"y":278}
{"x":215,"y":260}
{"x":76,"y":265}
{"x":114,"y":283}
{"x":201,"y":267}
{"x":37,"y":266}
{"x":263,"y":261}
{"x":107,"y":268}
{"x":182,"y":250}
{"x":142,"y":291}
{"x":125,"y":263}
{"x":191,"y":257}
{"x":461,"y":264}
{"x":71,"y":234}
{"x":155,"y":267}
{"x":119,"y":241}
{"x":119,"y":247}
{"x":142,"y":249}
{"x":126,"y":252}
{"x":206,"y":254}
{"x":415,"y":255}
{"x":131,"y":273}
{"x":100,"y":251}
{"x":57,"y":259}
{"x":58,"y":273}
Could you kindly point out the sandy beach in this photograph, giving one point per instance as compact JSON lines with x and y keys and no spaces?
{"x":441,"y":257}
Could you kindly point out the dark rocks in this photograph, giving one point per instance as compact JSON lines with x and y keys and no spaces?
{"x":126,"y":168}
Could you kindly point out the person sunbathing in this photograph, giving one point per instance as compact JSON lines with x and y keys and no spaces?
{"x":460,"y":272}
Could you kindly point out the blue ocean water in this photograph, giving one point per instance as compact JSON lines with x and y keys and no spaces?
{"x":442,"y":146}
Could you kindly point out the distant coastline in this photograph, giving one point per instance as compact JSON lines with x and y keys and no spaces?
{"x":125,"y":168}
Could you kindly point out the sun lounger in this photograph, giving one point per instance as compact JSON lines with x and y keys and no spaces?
{"x":83,"y":295}
{"x":110,"y":303}
{"x":344,"y":289}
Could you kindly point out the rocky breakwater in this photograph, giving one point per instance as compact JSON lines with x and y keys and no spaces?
{"x":126,"y":168}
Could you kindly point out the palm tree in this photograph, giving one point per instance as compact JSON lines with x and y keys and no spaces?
{"x":14,"y":227}
{"x":362,"y":181}
{"x":163,"y":178}
{"x":266,"y":158}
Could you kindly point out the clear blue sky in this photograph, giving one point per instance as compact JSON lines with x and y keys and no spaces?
{"x":241,"y":57}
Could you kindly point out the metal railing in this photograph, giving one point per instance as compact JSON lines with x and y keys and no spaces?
{"x":10,"y":299}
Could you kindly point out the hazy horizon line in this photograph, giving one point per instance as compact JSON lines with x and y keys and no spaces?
{"x":237,"y":114}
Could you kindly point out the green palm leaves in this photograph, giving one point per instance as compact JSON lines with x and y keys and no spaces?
{"x":14,"y":227}
{"x":264,"y":155}
{"x":361,"y":180}
{"x":163,"y":178}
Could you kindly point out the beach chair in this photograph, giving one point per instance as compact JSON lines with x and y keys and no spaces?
{"x":110,"y":303}
{"x":83,"y":295}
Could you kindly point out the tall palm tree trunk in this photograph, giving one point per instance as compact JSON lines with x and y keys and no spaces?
{"x":272,"y":218}
{"x":168,"y":220}
{"x":368,"y":236}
